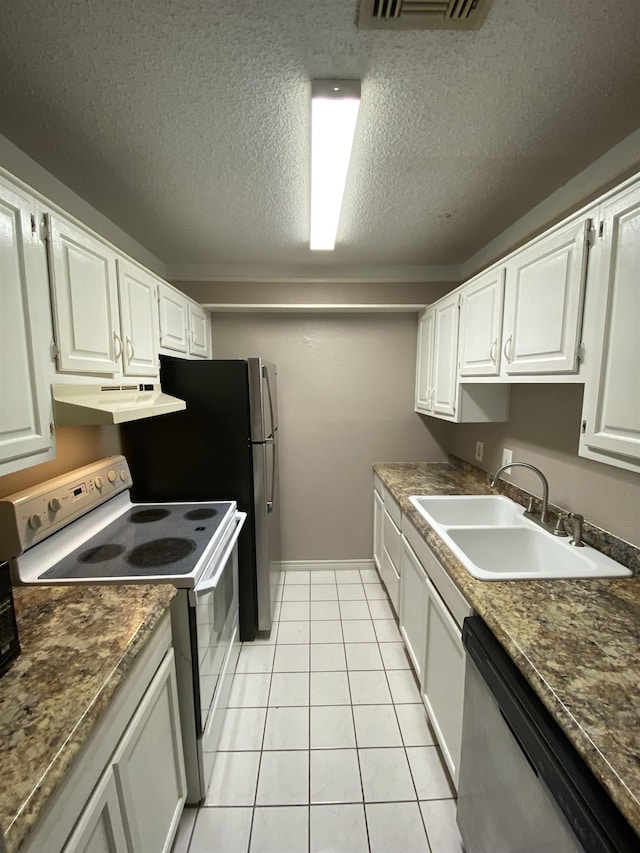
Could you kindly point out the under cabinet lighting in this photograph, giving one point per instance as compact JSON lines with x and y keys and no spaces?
{"x":334,"y":111}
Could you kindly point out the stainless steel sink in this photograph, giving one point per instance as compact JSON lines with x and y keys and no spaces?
{"x":493,"y":540}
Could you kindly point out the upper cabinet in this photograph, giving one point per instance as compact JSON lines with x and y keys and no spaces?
{"x":543,"y":302}
{"x":85,"y":299}
{"x":138,"y":298}
{"x":184,"y":325}
{"x":439,"y":391}
{"x":611,"y":416}
{"x":26,"y":413}
{"x":481,"y":324}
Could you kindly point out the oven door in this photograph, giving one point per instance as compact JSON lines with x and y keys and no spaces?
{"x":213,"y":617}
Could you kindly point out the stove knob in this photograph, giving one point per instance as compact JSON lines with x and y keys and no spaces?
{"x":35,"y":522}
{"x":123,"y":475}
{"x":54,"y":504}
{"x":99,"y":482}
{"x":111,"y":476}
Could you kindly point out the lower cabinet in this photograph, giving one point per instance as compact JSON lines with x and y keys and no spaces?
{"x":126,"y":791}
{"x":413,"y":607}
{"x":431,"y":615}
{"x":443,"y":678}
{"x":378,"y":521}
{"x":149,"y":766}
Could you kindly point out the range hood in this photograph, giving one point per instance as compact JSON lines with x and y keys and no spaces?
{"x":82,"y":405}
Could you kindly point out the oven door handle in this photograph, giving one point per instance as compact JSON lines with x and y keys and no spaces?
{"x":211,"y":583}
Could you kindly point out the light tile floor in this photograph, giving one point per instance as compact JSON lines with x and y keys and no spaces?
{"x":326,"y":745}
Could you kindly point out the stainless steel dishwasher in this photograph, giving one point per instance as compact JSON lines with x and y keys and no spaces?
{"x":523,"y":788}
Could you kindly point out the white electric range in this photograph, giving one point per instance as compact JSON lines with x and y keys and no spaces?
{"x":82,"y":528}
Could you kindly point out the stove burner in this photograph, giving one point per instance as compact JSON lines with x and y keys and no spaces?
{"x":144,"y":516}
{"x":160,"y":552}
{"x":101,"y":553}
{"x":199,"y":514}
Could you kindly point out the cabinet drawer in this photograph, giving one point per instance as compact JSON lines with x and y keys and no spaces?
{"x":392,"y":539}
{"x":390,"y":578}
{"x":392,"y":508}
{"x":451,"y":595}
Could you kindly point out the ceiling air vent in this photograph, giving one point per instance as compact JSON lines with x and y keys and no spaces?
{"x":422,"y":14}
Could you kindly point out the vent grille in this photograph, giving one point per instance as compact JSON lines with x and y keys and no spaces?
{"x":422,"y":14}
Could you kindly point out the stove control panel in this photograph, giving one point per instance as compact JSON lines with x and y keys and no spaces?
{"x":31,"y":515}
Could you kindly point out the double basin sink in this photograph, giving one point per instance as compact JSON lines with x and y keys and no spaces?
{"x":493,"y":540}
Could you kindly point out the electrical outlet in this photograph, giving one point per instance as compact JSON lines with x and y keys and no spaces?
{"x":507,"y":456}
{"x":479,"y":451}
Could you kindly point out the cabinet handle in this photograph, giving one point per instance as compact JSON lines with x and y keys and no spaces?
{"x":118,"y":342}
{"x":494,"y":350}
{"x":507,"y":346}
{"x":130,"y":348}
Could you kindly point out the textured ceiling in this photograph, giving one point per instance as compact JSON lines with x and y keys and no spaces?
{"x":187,"y":123}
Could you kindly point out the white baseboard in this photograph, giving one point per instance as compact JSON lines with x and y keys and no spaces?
{"x":324,"y":565}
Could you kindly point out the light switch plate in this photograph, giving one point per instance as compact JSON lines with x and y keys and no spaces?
{"x":479,"y":451}
{"x":507,"y":456}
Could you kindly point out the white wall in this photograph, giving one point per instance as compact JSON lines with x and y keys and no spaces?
{"x":345,"y":399}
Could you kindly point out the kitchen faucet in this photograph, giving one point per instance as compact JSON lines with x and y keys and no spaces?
{"x":558,"y":530}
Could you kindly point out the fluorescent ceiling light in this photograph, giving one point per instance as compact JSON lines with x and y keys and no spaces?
{"x":334,"y":110}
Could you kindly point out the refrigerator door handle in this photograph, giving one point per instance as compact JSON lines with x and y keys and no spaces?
{"x":274,"y":425}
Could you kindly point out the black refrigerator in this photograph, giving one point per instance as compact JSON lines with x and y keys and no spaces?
{"x":224,"y":446}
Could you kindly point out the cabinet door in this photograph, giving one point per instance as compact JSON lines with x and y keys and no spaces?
{"x":137,"y":291}
{"x":413,"y":607}
{"x":378,"y":521}
{"x":445,"y":355}
{"x":100,"y":829}
{"x":423,"y":402}
{"x":443,"y":678}
{"x":85,"y":298}
{"x":174,"y":320}
{"x":543,"y":303}
{"x":26,"y":418}
{"x":481,"y":325}
{"x":149,"y":766}
{"x":199,"y":325}
{"x":612,"y":413}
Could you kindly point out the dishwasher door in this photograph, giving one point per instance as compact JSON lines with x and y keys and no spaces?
{"x":523,"y":788}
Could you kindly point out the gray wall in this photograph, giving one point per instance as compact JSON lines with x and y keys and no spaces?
{"x":543,"y":429}
{"x":345,"y":398}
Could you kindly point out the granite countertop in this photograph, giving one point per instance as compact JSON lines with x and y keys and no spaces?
{"x":78,"y":643}
{"x":577,"y":642}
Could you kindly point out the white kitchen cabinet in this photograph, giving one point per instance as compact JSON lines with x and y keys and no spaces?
{"x":438,"y":390}
{"x":481,"y":306}
{"x":149,"y":767}
{"x":85,"y":299}
{"x":199,"y":328}
{"x":443,"y":678}
{"x":137,"y":292}
{"x":436,"y":380}
{"x":424,"y":363}
{"x":413,"y":607}
{"x":174,"y":320}
{"x":434,"y":618}
{"x":185,"y":328}
{"x":378,"y":521}
{"x":611,"y":414}
{"x":544,"y":294}
{"x":26,"y":413}
{"x":445,"y":355}
{"x":100,"y":829}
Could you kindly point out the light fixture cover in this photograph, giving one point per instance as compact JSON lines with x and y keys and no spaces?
{"x":334,"y":111}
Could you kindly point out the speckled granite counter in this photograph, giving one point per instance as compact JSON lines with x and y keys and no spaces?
{"x":576,"y":641}
{"x":78,"y":643}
